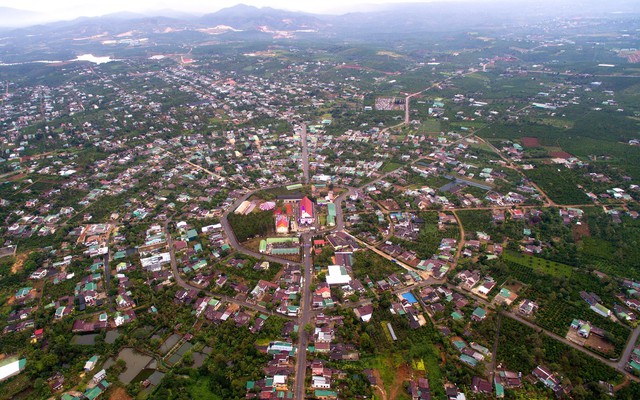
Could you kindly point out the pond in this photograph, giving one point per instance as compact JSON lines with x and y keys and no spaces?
{"x":169,"y":343}
{"x":111,"y":337}
{"x":136,"y":362}
{"x":198,"y":359}
{"x":175,"y":357}
{"x":84,"y":340}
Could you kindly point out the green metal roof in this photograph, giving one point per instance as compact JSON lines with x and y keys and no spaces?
{"x":325,"y":393}
{"x":479,"y":312}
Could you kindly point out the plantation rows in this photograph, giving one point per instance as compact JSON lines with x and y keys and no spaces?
{"x":515,"y":352}
{"x":557,"y":319}
{"x":523,"y":273}
{"x":578,"y":366}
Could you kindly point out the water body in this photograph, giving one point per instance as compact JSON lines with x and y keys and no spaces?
{"x":94,"y":59}
{"x":169,"y":343}
{"x":111,"y":337}
{"x":136,"y":362}
{"x":85,"y":340}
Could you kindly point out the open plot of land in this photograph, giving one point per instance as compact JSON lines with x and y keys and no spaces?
{"x":600,"y":344}
{"x":572,"y":335}
{"x":580,"y":231}
{"x":530,"y":142}
{"x":513,"y":286}
{"x":119,"y":394}
{"x":560,"y":154}
{"x":429,"y":126}
{"x":19,"y":262}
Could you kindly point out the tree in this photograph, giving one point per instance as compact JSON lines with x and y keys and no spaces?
{"x":366,"y":344}
{"x":308,"y":327}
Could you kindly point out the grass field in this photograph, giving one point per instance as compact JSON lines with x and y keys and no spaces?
{"x":200,"y":390}
{"x":429,"y":125}
{"x":539,"y":265}
{"x":556,"y":122}
{"x":390,"y":166}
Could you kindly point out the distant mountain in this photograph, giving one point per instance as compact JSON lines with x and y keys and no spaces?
{"x":249,"y":18}
{"x":373,"y":23}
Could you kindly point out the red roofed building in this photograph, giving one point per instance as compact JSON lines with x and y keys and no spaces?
{"x":306,"y":212}
{"x":282,"y":224}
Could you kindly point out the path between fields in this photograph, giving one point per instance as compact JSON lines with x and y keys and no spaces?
{"x":403,"y":374}
{"x":383,"y":392}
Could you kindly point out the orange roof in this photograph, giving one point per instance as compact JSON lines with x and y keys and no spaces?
{"x":282,"y":221}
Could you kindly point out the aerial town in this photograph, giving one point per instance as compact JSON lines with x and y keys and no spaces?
{"x":295,"y":219}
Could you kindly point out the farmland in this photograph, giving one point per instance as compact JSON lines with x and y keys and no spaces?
{"x":517,"y":339}
{"x":559,"y":183}
{"x":538,"y":264}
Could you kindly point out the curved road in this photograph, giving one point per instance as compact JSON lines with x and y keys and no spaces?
{"x":182,"y":283}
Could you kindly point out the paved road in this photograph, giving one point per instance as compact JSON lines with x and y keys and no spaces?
{"x":107,"y":277}
{"x":494,"y":353}
{"x":339,"y":214}
{"x":303,"y":319}
{"x":305,"y":304}
{"x":462,"y":239}
{"x":305,"y":154}
{"x":631,"y":342}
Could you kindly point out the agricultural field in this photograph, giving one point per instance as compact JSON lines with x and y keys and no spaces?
{"x":559,"y":184}
{"x":538,"y":264}
{"x":611,"y":248}
{"x":522,"y":349}
{"x":557,"y":317}
{"x":475,"y":221}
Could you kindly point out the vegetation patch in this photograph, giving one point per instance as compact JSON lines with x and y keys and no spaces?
{"x":558,"y":183}
{"x":538,"y":264}
{"x":254,"y":224}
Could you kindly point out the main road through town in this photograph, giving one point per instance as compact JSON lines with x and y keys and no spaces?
{"x":304,"y":319}
{"x":305,"y":154}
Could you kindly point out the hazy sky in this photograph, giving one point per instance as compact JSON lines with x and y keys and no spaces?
{"x":75,"y":8}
